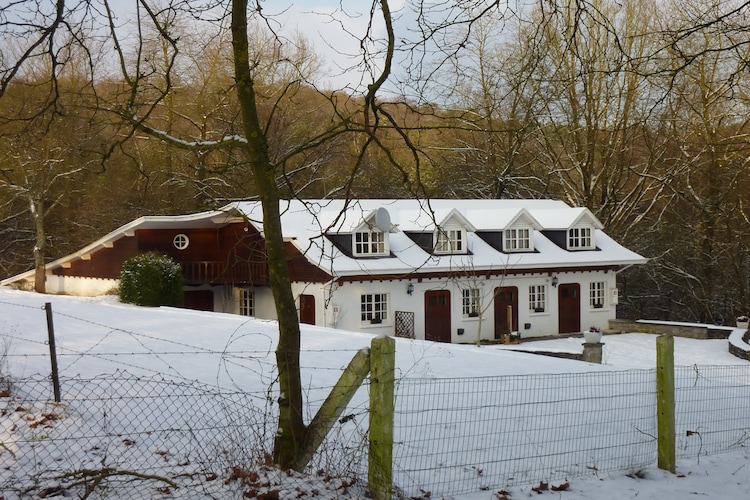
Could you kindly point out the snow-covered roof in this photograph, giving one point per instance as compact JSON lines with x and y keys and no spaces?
{"x":306,"y":222}
{"x":197,"y":220}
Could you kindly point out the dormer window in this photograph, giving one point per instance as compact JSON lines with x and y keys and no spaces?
{"x":450,"y":241}
{"x":369,"y":243}
{"x":517,"y":240}
{"x":580,"y":238}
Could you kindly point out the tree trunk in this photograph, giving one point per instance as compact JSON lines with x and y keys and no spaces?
{"x":40,"y":273}
{"x":291,"y":432}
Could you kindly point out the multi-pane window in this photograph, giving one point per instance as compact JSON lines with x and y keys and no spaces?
{"x":369,"y":243}
{"x":597,"y":291}
{"x":580,"y":238}
{"x":537,"y":298}
{"x":374,"y":307}
{"x":517,"y":240}
{"x":246,"y":302}
{"x":450,"y":241}
{"x":470,"y":301}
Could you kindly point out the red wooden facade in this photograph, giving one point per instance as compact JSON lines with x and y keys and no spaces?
{"x":233,"y":254}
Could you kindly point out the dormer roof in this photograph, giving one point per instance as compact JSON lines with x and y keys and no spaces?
{"x":409,"y":217}
{"x":565,"y":219}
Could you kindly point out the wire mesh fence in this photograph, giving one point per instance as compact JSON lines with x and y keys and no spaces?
{"x":460,"y":435}
{"x":143,"y":434}
{"x":122,"y":435}
{"x":712,"y":409}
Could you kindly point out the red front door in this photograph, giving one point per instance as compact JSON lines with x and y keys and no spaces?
{"x":505,"y":297}
{"x":437,"y":315}
{"x":307,"y":309}
{"x":569,"y":303}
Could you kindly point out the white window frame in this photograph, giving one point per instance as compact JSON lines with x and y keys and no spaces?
{"x":369,"y":242}
{"x":581,"y":238}
{"x":450,"y":240}
{"x":470,"y":301}
{"x":518,"y":239}
{"x":537,"y":298}
{"x":245,"y":302}
{"x":181,"y":241}
{"x":373,"y":307}
{"x":597,"y":294}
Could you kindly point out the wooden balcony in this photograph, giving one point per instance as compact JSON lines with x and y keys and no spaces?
{"x":219,"y":273}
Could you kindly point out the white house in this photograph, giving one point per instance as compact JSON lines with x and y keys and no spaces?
{"x":443,"y":270}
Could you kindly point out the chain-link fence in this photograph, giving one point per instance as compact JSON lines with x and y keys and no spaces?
{"x":119,"y":432}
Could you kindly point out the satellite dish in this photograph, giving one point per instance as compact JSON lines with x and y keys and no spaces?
{"x":383,"y":219}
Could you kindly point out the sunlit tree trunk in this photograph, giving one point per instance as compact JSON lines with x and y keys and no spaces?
{"x":291,"y":429}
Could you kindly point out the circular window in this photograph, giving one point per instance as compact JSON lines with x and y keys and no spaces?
{"x":181,"y":241}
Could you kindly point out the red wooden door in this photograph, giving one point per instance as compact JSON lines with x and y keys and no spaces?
{"x":504,"y":297}
{"x":307,"y":309}
{"x":437,"y":315}
{"x":569,"y":304}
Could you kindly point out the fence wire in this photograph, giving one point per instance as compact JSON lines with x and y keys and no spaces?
{"x":712,"y":406}
{"x":455,"y":436}
{"x":163,"y":432}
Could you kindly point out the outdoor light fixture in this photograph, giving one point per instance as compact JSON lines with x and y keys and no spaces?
{"x":410,"y":289}
{"x":555,"y":281}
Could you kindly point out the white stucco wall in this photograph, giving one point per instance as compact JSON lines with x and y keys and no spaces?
{"x":344,"y":309}
{"x":83,"y":287}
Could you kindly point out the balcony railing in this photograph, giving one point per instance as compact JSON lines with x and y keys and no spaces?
{"x":221,"y":272}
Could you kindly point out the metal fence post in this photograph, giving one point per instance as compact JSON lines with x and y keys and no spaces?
{"x":380,"y":455}
{"x":52,"y":351}
{"x":665,"y":406}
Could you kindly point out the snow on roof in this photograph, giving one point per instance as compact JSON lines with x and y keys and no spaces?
{"x":304,"y":223}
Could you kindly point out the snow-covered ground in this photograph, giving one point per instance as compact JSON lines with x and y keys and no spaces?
{"x":97,"y":336}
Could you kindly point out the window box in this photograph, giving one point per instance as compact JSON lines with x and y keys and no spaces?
{"x":538,"y":309}
{"x":376,"y":321}
{"x":598,"y":306}
{"x":473,"y":314}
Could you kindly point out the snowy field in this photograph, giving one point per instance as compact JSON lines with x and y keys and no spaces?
{"x":101,"y":336}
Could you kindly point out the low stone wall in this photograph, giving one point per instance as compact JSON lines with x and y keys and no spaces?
{"x":739,"y":342}
{"x":686,"y":330}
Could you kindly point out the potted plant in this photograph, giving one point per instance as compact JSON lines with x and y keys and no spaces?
{"x":743,"y":322}
{"x":593,"y":335}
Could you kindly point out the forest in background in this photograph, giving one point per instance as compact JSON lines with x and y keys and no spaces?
{"x":636,"y":110}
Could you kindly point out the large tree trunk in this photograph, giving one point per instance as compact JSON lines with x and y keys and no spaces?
{"x":40,"y":272}
{"x":291,"y":431}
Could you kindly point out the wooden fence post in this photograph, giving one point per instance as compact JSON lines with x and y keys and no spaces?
{"x":665,"y":406}
{"x":380,"y":457}
{"x":52,"y":351}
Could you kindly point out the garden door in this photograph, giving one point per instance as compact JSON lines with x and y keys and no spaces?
{"x":569,"y":304}
{"x":437,"y":315}
{"x":505,"y":297}
{"x":307,"y":309}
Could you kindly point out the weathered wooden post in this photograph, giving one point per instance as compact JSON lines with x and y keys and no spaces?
{"x":665,"y":403}
{"x":330,"y":411}
{"x":380,"y":458}
{"x":52,"y":351}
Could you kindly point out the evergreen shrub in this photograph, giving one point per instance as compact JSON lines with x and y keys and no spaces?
{"x":151,"y":279}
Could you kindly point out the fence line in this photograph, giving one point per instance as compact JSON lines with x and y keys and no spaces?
{"x":712,"y":409}
{"x":460,"y":435}
{"x":451,"y":436}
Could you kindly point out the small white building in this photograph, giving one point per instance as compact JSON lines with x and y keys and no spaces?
{"x":442,"y":270}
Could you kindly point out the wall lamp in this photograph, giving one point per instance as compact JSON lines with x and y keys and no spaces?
{"x":410,"y":289}
{"x":555,"y":281}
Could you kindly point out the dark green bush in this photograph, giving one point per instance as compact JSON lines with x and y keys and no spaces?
{"x":151,"y":279}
